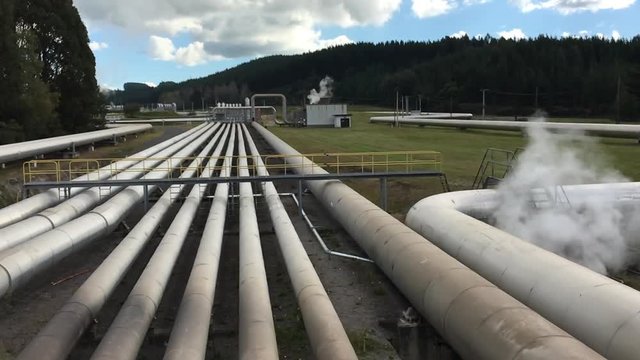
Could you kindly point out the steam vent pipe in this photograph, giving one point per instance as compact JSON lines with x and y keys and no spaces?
{"x":601,"y":312}
{"x":609,"y":130}
{"x":326,"y":333}
{"x":475,"y":317}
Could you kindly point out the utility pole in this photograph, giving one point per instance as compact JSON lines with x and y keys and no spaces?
{"x":484,"y":91}
{"x":618,"y":102}
{"x":396,"y":113}
{"x":536,"y":98}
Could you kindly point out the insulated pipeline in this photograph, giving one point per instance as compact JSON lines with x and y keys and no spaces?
{"x":44,"y":250}
{"x":597,"y":310}
{"x":75,"y":206}
{"x":325,"y":331}
{"x":257,"y":336}
{"x":127,"y":332}
{"x":57,"y":338}
{"x":191,"y":327}
{"x":477,"y":319}
{"x":611,"y":130}
{"x":26,"y":149}
{"x":31,"y":205}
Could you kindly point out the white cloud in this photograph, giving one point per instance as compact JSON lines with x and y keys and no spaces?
{"x":566,"y":34}
{"x":97,"y":46}
{"x":150,"y":84}
{"x":458,"y":35}
{"x":615,"y":35}
{"x":432,"y":8}
{"x":600,"y":35}
{"x":235,"y":28}
{"x":567,"y":7}
{"x":161,"y":48}
{"x":514,"y":34}
{"x":340,"y":40}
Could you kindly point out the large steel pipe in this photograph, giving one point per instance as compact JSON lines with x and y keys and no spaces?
{"x":58,"y":337}
{"x":27,"y":149}
{"x":191,"y":326}
{"x":256,"y":331}
{"x":46,"y":220}
{"x":46,"y":249}
{"x":610,"y":130}
{"x":325,"y":331}
{"x":128,"y":330}
{"x":477,"y":319}
{"x":29,"y":206}
{"x":597,"y":310}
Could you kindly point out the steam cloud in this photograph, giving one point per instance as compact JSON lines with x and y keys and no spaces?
{"x":590,"y":231}
{"x":326,"y":90}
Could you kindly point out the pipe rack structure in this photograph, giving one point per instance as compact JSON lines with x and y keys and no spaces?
{"x":609,"y":130}
{"x":56,"y":340}
{"x":326,"y":334}
{"x":597,"y":310}
{"x":31,"y":205}
{"x":75,"y":206}
{"x":128,"y":330}
{"x":31,"y":148}
{"x":477,"y":319}
{"x":44,"y":250}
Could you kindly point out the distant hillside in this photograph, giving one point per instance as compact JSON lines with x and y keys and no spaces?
{"x":572,"y":77}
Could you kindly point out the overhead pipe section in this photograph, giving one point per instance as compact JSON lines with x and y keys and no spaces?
{"x":56,"y":340}
{"x":77,"y":205}
{"x":326,"y":334}
{"x":22,"y":150}
{"x":29,"y":206}
{"x":475,"y":317}
{"x":190,"y":331}
{"x":127,"y":332}
{"x":284,"y":106}
{"x":31,"y":257}
{"x":607,"y":130}
{"x":256,"y":331}
{"x":601,"y":312}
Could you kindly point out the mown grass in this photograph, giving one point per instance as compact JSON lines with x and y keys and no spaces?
{"x":462,"y":152}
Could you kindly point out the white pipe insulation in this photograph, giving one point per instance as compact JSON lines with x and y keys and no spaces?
{"x":611,"y":130}
{"x":29,"y":206}
{"x":597,"y":310}
{"x":326,"y":334}
{"x":44,"y":250}
{"x":56,"y":340}
{"x":77,"y":205}
{"x":190,"y":331}
{"x":475,"y":317}
{"x":256,"y":331}
{"x":27,"y":149}
{"x":127,"y":332}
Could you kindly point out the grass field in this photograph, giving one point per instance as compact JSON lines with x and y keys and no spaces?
{"x":462,"y":152}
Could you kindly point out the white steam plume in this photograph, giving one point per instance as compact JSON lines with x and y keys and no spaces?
{"x":588,"y":231}
{"x":326,"y":90}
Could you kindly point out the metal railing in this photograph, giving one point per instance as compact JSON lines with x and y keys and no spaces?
{"x":336,"y":163}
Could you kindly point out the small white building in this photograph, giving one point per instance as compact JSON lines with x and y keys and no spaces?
{"x":326,"y":115}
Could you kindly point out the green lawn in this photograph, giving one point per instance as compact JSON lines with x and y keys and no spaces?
{"x":462,"y":152}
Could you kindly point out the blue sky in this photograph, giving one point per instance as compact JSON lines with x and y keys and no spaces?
{"x":174,"y":40}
